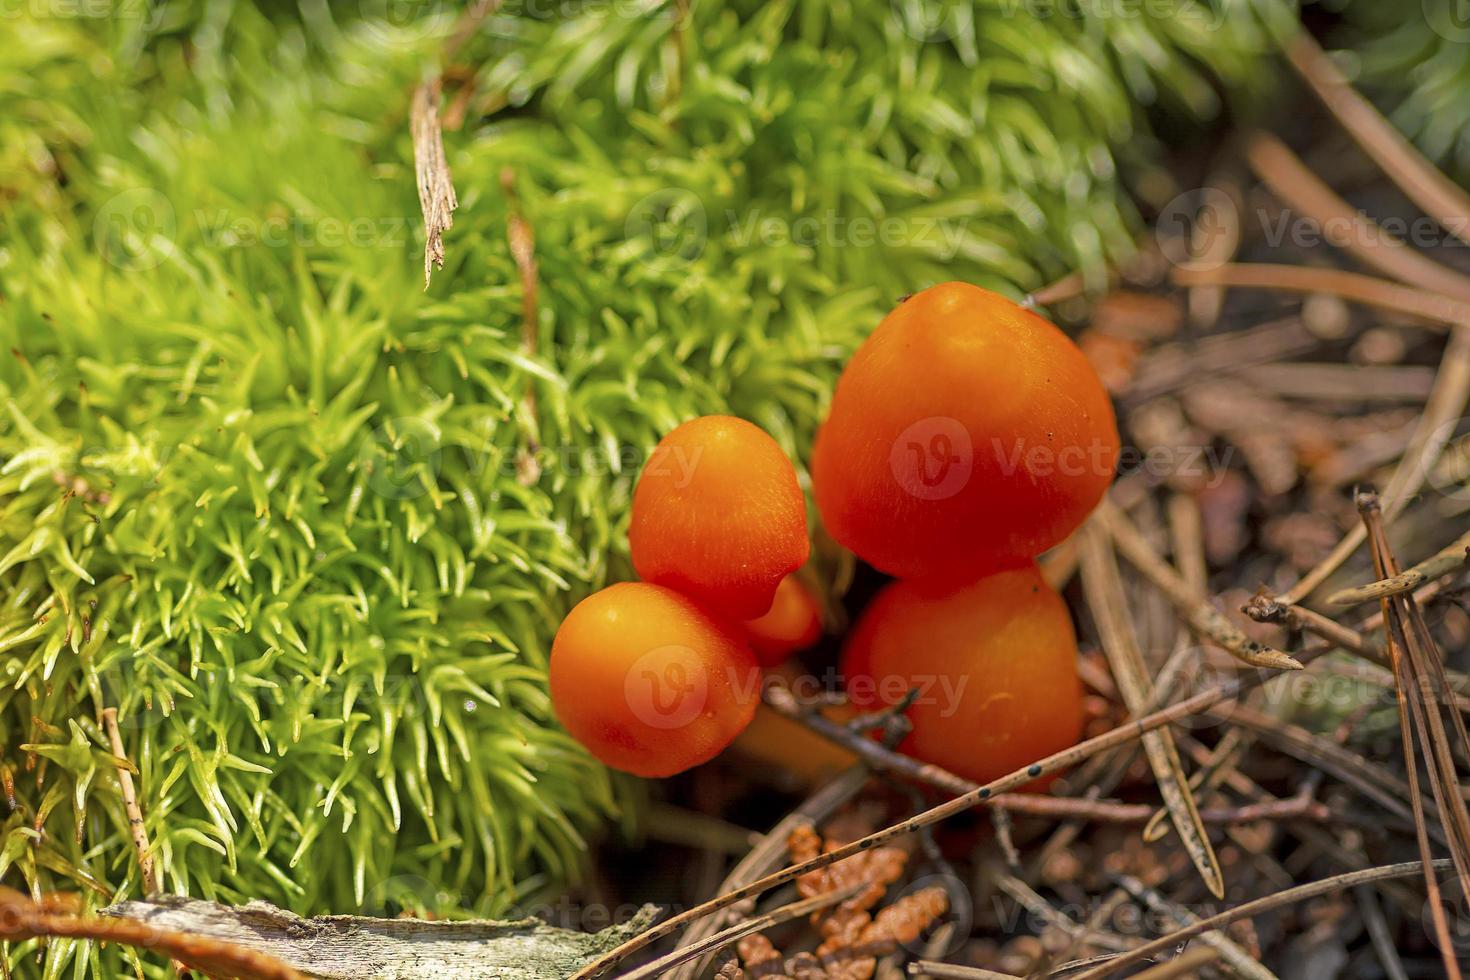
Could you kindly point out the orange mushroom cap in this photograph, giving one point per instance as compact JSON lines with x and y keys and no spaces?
{"x":965,"y":433}
{"x":718,"y":515}
{"x":649,"y":682}
{"x":995,"y":663}
{"x":794,"y":622}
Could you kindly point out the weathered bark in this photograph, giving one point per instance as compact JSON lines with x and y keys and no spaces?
{"x":351,"y":947}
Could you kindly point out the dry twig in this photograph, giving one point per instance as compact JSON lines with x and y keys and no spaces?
{"x":437,"y":199}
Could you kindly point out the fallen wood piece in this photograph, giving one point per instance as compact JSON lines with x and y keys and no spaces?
{"x":354,"y":947}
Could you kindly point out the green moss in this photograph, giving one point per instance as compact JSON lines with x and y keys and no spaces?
{"x":259,"y":490}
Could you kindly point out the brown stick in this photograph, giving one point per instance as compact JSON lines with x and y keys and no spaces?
{"x":521,"y":239}
{"x":437,"y":199}
{"x":130,"y":804}
{"x":1354,"y":286}
{"x":883,"y":759}
{"x":740,"y":930}
{"x":1451,"y":559}
{"x":1183,"y":965}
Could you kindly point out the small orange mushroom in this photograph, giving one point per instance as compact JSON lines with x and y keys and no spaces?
{"x":718,"y":515}
{"x":994,"y":663}
{"x":966,"y":433}
{"x":794,"y":622}
{"x":649,"y":682}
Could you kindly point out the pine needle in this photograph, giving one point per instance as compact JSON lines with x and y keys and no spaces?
{"x":1109,"y":606}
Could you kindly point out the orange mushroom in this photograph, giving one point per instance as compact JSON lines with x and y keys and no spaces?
{"x":718,"y":515}
{"x":649,"y":682}
{"x":994,"y":663}
{"x":794,"y":622}
{"x":965,"y":433}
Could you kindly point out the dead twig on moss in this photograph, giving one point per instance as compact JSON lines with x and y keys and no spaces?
{"x":437,"y":199}
{"x":130,"y":804}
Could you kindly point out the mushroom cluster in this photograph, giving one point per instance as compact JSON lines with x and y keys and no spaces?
{"x":966,"y":436}
{"x":657,"y":676}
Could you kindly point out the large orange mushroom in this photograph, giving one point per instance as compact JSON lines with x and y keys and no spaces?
{"x":965,"y":433}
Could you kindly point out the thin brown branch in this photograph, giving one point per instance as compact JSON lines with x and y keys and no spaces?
{"x":950,"y":971}
{"x":882,"y":759}
{"x":1452,"y":558}
{"x":437,"y":199}
{"x":1447,"y":403}
{"x":522,"y":241}
{"x":1420,"y":721}
{"x":770,"y":853}
{"x":130,"y":804}
{"x":1371,"y":780}
{"x":1186,"y":964}
{"x":1241,"y":962}
{"x":1070,"y":286}
{"x":1209,"y":775}
{"x":1368,"y":290}
{"x":467,"y":26}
